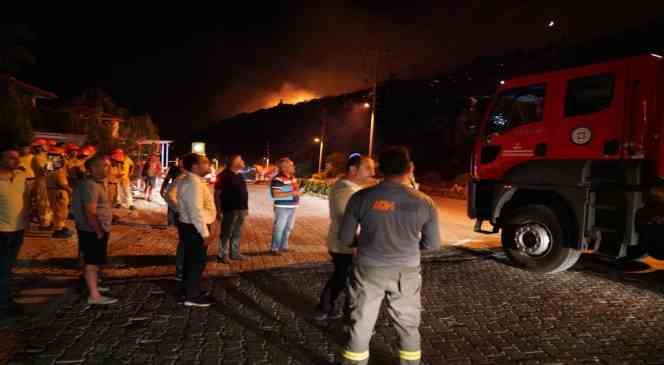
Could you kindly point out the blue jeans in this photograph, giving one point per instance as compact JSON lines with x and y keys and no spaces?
{"x":231,"y":230}
{"x":10,"y":244}
{"x":284,"y":219}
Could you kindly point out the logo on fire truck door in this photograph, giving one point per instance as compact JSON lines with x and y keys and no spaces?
{"x":581,"y":135}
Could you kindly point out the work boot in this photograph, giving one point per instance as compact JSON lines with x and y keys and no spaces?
{"x":131,"y":207}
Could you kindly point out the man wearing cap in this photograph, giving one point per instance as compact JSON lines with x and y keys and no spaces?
{"x":59,"y":193}
{"x":40,"y":190}
{"x":396,"y":222}
{"x":15,"y":198}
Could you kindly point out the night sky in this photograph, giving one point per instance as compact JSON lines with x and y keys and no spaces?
{"x":189,"y":68}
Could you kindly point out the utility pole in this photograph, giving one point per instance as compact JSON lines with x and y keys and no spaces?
{"x":373,"y":106}
{"x":267,"y":155}
{"x":322,"y":140}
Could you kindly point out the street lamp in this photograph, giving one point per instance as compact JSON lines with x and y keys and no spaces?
{"x":320,"y":154}
{"x":366,"y":105}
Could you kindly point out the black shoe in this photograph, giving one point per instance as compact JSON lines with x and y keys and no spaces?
{"x":223,"y":260}
{"x":131,"y":207}
{"x":200,"y":302}
{"x":239,"y":258}
{"x":45,"y":228}
{"x":275,"y":253}
{"x":62,"y":234}
{"x":118,"y":206}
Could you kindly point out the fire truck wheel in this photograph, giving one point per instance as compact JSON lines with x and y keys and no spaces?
{"x":533,"y":237}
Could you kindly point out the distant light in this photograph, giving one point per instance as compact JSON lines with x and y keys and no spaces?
{"x":198,"y":147}
{"x":367,"y":105}
{"x":552,"y":24}
{"x":502,"y":82}
{"x":316,"y":140}
{"x":656,"y":55}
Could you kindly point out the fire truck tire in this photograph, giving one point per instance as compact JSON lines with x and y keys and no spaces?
{"x":533,"y":237}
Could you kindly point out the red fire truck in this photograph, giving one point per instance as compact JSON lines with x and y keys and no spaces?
{"x":572,"y":161}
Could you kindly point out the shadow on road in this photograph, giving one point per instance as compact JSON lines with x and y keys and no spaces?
{"x":634,"y":273}
{"x":303,"y":306}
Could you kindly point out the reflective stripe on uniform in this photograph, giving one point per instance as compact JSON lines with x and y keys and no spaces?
{"x":410,"y":355}
{"x":355,"y":356}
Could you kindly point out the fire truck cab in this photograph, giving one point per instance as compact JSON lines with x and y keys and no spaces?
{"x":571,"y":161}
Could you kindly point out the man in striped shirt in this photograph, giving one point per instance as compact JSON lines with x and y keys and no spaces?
{"x":286,"y":194}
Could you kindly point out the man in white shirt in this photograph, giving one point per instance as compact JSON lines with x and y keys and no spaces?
{"x":197,"y":213}
{"x":359,"y":174}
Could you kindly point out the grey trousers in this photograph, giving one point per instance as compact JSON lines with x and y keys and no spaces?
{"x":367,"y":287}
{"x":231,"y":230}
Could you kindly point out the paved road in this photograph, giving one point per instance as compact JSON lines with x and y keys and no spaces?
{"x":478,"y":309}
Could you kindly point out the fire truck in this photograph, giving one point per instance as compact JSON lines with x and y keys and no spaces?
{"x":572,"y":161}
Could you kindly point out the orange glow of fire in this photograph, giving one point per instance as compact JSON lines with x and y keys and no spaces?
{"x":289,"y":94}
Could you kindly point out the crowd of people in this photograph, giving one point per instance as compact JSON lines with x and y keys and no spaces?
{"x":395,"y":222}
{"x":377,"y":230}
{"x":49,"y":182}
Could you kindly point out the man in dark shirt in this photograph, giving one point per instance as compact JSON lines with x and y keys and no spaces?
{"x":396,"y":222}
{"x":232,"y":200}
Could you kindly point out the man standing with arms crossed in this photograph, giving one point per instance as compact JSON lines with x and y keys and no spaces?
{"x":232,"y":201}
{"x":286,"y":194}
{"x":196,"y":213}
{"x":396,"y":222}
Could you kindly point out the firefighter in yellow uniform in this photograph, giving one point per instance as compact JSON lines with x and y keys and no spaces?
{"x":40,"y":191}
{"x":59,"y":193}
{"x":125,"y":197}
{"x":128,"y":168}
{"x":73,"y":164}
{"x":114,"y":177}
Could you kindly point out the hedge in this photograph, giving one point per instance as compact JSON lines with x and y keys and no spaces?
{"x":318,"y":188}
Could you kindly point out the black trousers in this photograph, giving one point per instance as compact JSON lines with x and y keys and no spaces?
{"x":195,"y":259}
{"x":343,"y":264}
